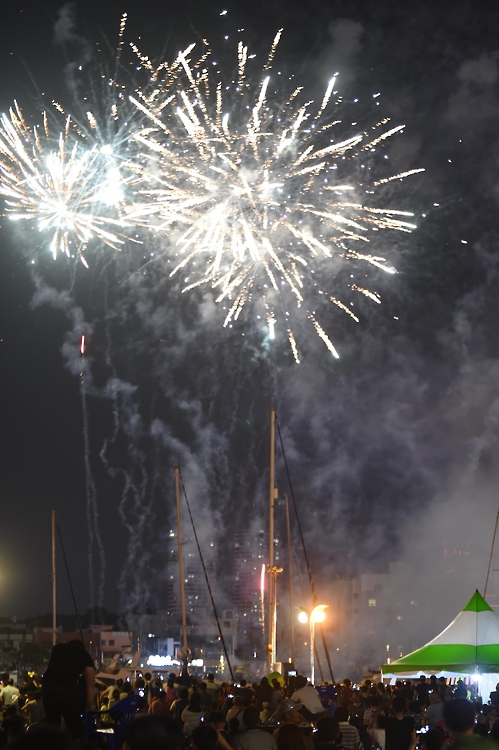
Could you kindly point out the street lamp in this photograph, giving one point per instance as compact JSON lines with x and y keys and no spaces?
{"x":316,"y":615}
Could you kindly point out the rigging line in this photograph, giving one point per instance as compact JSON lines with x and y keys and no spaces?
{"x":78,"y":620}
{"x":299,"y":577}
{"x":491,"y":554}
{"x":207,"y":582}
{"x":305,"y":554}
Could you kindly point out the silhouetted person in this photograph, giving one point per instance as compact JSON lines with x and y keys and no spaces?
{"x":68,"y":686}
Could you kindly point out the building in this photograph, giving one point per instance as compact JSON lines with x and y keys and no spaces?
{"x":101,"y":641}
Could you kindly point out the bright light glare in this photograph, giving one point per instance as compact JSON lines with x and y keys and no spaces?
{"x":303,"y":617}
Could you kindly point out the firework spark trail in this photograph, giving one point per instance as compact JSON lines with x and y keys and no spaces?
{"x":243,"y":185}
{"x":94,"y":537}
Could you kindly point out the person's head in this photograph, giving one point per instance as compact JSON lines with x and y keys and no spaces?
{"x":210,"y":678}
{"x":357,"y":697}
{"x":293,"y":717}
{"x":148,"y":676}
{"x":127,"y":688}
{"x":347,"y":682}
{"x":327,"y":730}
{"x":341,"y":713}
{"x":183,"y":694}
{"x":494,"y":732}
{"x":153,"y":732}
{"x":104,"y":700}
{"x":5,"y":678}
{"x":459,"y":716}
{"x":194,"y":704}
{"x":399,"y":704}
{"x":300,"y":681}
{"x":217,"y":720}
{"x":434,"y":739}
{"x":290,"y":737}
{"x":481,"y":729}
{"x":433,"y":679}
{"x":204,"y":737}
{"x":264,"y":682}
{"x":202,"y":687}
{"x":238,"y":701}
{"x":434,"y":697}
{"x":380,"y":688}
{"x":116,"y":694}
{"x":234,"y":726}
{"x":242,"y":683}
{"x":119,"y":683}
{"x":37,"y":695}
{"x":42,"y":737}
{"x":276,"y":684}
{"x":250,"y":717}
{"x":14,"y":726}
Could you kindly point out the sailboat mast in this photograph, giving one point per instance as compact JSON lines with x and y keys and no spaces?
{"x":290,"y":574}
{"x":271,"y":647}
{"x":180,"y":557}
{"x":54,"y":602}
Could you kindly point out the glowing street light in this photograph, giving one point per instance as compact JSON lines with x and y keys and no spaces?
{"x":316,"y":615}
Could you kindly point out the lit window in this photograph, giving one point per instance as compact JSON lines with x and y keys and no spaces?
{"x":372,"y":602}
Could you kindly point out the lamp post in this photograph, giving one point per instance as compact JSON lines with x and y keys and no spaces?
{"x":316,"y":615}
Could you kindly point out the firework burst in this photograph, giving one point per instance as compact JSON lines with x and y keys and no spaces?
{"x":245,"y":184}
{"x":73,"y":190}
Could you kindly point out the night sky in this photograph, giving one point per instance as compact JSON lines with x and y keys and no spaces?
{"x":392,"y":448}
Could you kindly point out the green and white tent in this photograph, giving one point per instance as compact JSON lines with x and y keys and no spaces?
{"x":468,"y":646}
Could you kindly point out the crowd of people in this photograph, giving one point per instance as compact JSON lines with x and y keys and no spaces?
{"x":181,"y":712}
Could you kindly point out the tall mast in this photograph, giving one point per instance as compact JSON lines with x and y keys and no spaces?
{"x":180,"y":557}
{"x":271,"y":647}
{"x":54,"y":603}
{"x":290,"y":569}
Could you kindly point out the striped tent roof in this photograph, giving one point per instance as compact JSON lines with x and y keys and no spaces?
{"x":469,"y":644}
